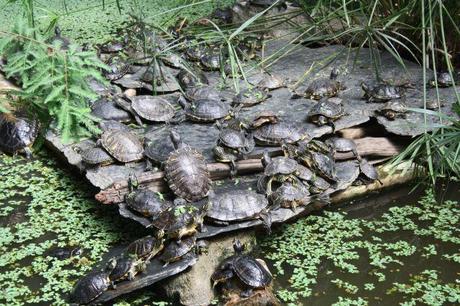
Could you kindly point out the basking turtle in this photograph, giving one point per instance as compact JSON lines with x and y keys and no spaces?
{"x":278,"y":169}
{"x":250,"y":97}
{"x":235,"y":139}
{"x":325,"y":112}
{"x":181,"y":220}
{"x":175,"y":250}
{"x":17,"y":133}
{"x":147,"y":247}
{"x":144,"y":201}
{"x":211,"y":60}
{"x":264,"y":117}
{"x":271,"y":82}
{"x":89,"y":287}
{"x":443,"y":79}
{"x":113,"y":46}
{"x":206,"y":110}
{"x":368,"y":173}
{"x":173,"y":60}
{"x":226,"y":155}
{"x":238,"y":205}
{"x":158,"y":151}
{"x":323,"y":164}
{"x":65,"y":253}
{"x":343,"y":145}
{"x":275,"y":134}
{"x":393,"y":109}
{"x":118,"y":68}
{"x":109,"y":110}
{"x":434,"y":104}
{"x":290,"y":195}
{"x":124,"y":267}
{"x":150,"y":108}
{"x":123,"y":146}
{"x":191,"y":78}
{"x":196,"y":51}
{"x":324,"y":88}
{"x":202,"y":92}
{"x":108,"y":125}
{"x":96,"y":156}
{"x":186,"y":171}
{"x":382,"y":92}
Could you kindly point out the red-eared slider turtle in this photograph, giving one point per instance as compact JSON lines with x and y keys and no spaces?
{"x":196,"y":51}
{"x":276,"y":134}
{"x":118,"y":67}
{"x":181,"y":220}
{"x":271,"y":82}
{"x":186,"y":171}
{"x":278,"y":169}
{"x":89,"y":287}
{"x":144,"y":201}
{"x":158,"y":151}
{"x":264,"y":117}
{"x":443,"y":79}
{"x":325,"y":112}
{"x":323,"y":164}
{"x":124,"y":267}
{"x":226,"y":155}
{"x":324,"y":88}
{"x":250,"y":97}
{"x":109,"y":110}
{"x":123,"y":146}
{"x":393,"y":109}
{"x":238,"y":205}
{"x":17,"y":133}
{"x":290,"y":195}
{"x":382,"y":92}
{"x":175,"y":250}
{"x":211,"y":60}
{"x":96,"y":156}
{"x":150,"y":108}
{"x":368,"y":173}
{"x":206,"y":110}
{"x":202,"y":92}
{"x":236,"y":139}
{"x":191,"y":78}
{"x":342,"y":145}
{"x":147,"y":247}
{"x":108,"y":125}
{"x":434,"y":104}
{"x":173,"y":60}
{"x":65,"y":253}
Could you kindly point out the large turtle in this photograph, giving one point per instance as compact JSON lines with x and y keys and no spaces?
{"x":325,"y":112}
{"x":17,"y":133}
{"x":382,"y":92}
{"x":275,"y":134}
{"x":146,"y":247}
{"x":89,"y":287}
{"x":323,"y":88}
{"x":123,"y":146}
{"x":238,"y":205}
{"x":186,"y":171}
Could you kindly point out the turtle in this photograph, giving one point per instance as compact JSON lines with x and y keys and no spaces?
{"x":324,"y":88}
{"x":113,"y":46}
{"x":238,"y":205}
{"x":90,"y":287}
{"x":18,"y":133}
{"x":278,"y":169}
{"x":63,"y":42}
{"x":264,"y":117}
{"x":323,"y":164}
{"x":186,"y":171}
{"x":251,"y":96}
{"x":236,"y":139}
{"x":96,"y":156}
{"x":274,"y":134}
{"x":393,"y":109}
{"x":290,"y":195}
{"x":107,"y":125}
{"x":207,"y":110}
{"x":443,"y":79}
{"x":124,"y":267}
{"x":123,"y":146}
{"x":343,"y":145}
{"x":109,"y":110}
{"x":118,"y":68}
{"x":368,"y":174}
{"x":223,"y":14}
{"x":226,"y":155}
{"x":211,"y":60}
{"x":325,"y":112}
{"x":382,"y":92}
{"x":318,"y":185}
{"x":150,"y":108}
{"x":146,"y":247}
{"x":434,"y":104}
{"x":191,"y":78}
{"x":196,"y":51}
{"x":270,"y":82}
{"x":173,"y":60}
{"x":159,"y":150}
{"x":202,"y":92}
{"x":144,"y":201}
{"x":65,"y":253}
{"x":175,"y":250}
{"x":183,"y":219}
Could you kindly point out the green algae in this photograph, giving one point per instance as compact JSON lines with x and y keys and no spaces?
{"x":410,"y":252}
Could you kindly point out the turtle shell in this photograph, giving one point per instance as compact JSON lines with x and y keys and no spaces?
{"x":123,"y":266}
{"x":237,"y":205}
{"x":304,"y":173}
{"x":89,"y":287}
{"x":270,"y":82}
{"x":108,"y":125}
{"x":178,"y":221}
{"x":281,"y":165}
{"x":153,"y":108}
{"x":251,"y":272}
{"x":108,"y":110}
{"x":146,"y":202}
{"x":368,"y":172}
{"x":264,"y":117}
{"x":202,"y":92}
{"x":327,"y":109}
{"x":323,"y":163}
{"x":211,"y":60}
{"x":276,"y":134}
{"x":17,"y":132}
{"x":189,"y":78}
{"x":146,"y":247}
{"x":382,"y":92}
{"x":250,"y":97}
{"x":443,"y":79}
{"x":342,"y":144}
{"x":290,"y":195}
{"x":123,"y":146}
{"x":322,"y":88}
{"x":96,"y":156}
{"x":158,"y":151}
{"x":236,"y":139}
{"x":205,"y":110}
{"x":396,"y":106}
{"x":176,"y":249}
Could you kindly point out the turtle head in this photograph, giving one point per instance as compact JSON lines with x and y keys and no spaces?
{"x":176,"y":140}
{"x":365,"y":86}
{"x":266,"y":159}
{"x":238,"y":247}
{"x":133,"y":183}
{"x":334,"y":73}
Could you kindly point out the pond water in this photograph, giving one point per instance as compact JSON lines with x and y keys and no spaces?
{"x":393,"y":248}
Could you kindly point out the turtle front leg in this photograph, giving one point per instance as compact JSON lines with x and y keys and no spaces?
{"x":233,"y":169}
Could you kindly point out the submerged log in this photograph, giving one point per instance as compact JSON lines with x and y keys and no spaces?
{"x":368,"y":146}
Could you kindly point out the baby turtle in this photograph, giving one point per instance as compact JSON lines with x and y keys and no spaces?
{"x":382,"y":92}
{"x":238,"y":205}
{"x":278,"y":169}
{"x":186,"y":171}
{"x":393,"y":109}
{"x":264,"y":117}
{"x":271,"y":82}
{"x":89,"y":287}
{"x":123,"y":146}
{"x":250,"y":97}
{"x":206,"y":110}
{"x":144,"y":201}
{"x":124,"y":267}
{"x":276,"y":134}
{"x":191,"y":78}
{"x":147,"y":247}
{"x":324,"y":88}
{"x":96,"y":156}
{"x":175,"y":250}
{"x":17,"y":133}
{"x":226,"y":155}
{"x":342,"y":145}
{"x":434,"y":104}
{"x":109,"y":110}
{"x":325,"y":112}
{"x":290,"y":195}
{"x":443,"y":79}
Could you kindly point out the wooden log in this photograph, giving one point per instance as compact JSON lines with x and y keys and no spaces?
{"x":155,"y":180}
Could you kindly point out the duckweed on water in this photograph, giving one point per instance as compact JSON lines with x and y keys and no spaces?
{"x":407,"y":253}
